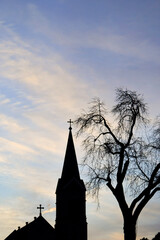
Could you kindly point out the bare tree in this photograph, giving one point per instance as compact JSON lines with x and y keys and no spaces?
{"x":119,"y":154}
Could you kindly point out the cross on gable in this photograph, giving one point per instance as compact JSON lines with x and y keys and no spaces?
{"x":70,"y":124}
{"x":40,"y":208}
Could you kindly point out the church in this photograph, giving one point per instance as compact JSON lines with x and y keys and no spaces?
{"x":71,"y":223}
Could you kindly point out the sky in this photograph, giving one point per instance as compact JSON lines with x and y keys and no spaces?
{"x":55,"y":57}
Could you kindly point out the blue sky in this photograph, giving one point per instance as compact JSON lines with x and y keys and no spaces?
{"x":55,"y":56}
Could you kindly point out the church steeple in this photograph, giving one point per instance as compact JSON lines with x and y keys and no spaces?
{"x":70,"y":166}
{"x":70,"y":198}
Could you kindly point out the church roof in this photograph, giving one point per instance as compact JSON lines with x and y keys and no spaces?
{"x":70,"y":169}
{"x":38,"y":229}
{"x":70,"y":166}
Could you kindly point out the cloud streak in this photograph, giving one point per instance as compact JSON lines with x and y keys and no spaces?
{"x":49,"y":210}
{"x":102,"y":38}
{"x":52,"y":79}
{"x":14,"y":147}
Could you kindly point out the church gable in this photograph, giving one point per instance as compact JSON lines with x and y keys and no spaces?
{"x":38,"y":229}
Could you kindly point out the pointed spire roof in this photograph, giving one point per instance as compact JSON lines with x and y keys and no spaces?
{"x":70,"y":166}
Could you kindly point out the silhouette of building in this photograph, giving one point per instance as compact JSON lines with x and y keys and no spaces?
{"x":38,"y":229}
{"x":71,"y":221}
{"x":70,"y":199}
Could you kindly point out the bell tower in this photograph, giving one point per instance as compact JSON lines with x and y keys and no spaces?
{"x":70,"y":198}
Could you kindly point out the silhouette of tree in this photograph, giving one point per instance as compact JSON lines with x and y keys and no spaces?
{"x":120,"y":155}
{"x":157,"y":236}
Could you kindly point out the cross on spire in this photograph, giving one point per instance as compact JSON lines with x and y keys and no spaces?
{"x":40,"y":208}
{"x":70,"y":124}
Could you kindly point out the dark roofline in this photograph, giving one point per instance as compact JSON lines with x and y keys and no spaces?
{"x":28,"y":226}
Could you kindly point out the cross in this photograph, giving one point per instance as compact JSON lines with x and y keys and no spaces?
{"x":40,"y":208}
{"x":70,"y":124}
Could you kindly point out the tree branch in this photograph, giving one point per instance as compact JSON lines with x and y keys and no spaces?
{"x":144,"y":201}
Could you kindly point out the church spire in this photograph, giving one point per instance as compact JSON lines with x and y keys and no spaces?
{"x":70,"y":166}
{"x":70,"y":198}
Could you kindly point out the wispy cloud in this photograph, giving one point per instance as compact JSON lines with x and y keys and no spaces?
{"x":125,"y":45}
{"x":49,"y":210}
{"x":10,"y":124}
{"x":52,"y":80}
{"x":14,"y":147}
{"x":102,"y":38}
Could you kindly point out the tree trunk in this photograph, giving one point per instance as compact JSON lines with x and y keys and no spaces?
{"x":129,"y":229}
